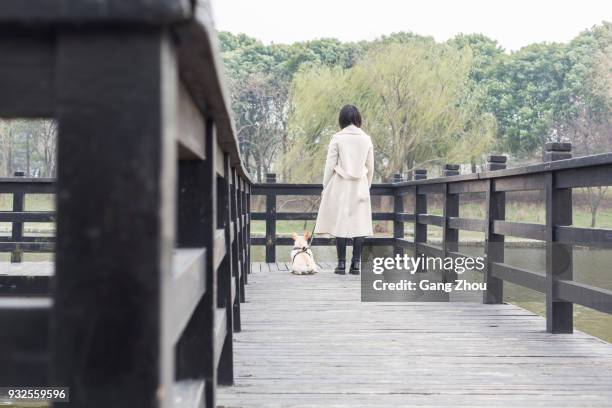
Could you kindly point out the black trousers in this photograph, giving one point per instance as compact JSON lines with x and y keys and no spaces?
{"x":341,"y":248}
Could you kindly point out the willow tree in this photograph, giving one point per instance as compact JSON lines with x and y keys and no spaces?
{"x":414,"y":100}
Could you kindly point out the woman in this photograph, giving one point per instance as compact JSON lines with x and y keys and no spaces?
{"x":345,"y":210}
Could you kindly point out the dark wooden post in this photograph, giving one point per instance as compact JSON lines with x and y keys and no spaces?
{"x":398,"y":208}
{"x":450,"y":236}
{"x":225,"y":371}
{"x":243,"y":236}
{"x":116,"y":200}
{"x":559,"y":259}
{"x":197,"y":215}
{"x":271,"y":220}
{"x":450,"y":170}
{"x":17,"y":226}
{"x":494,"y":243}
{"x":420,"y":174}
{"x":420,"y":207}
{"x":237,"y":260}
{"x":556,"y":151}
{"x":247,"y":197}
{"x":496,"y":162}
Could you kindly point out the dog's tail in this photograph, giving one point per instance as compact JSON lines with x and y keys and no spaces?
{"x":305,"y":270}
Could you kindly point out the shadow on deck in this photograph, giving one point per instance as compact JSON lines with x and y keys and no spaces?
{"x":309,"y":341}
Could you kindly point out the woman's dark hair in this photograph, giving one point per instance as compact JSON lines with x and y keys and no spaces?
{"x":349,"y":115}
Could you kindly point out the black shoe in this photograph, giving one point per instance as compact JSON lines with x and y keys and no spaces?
{"x":355,"y":267}
{"x":341,"y":268}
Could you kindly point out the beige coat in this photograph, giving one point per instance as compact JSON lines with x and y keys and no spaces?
{"x":345,"y":209}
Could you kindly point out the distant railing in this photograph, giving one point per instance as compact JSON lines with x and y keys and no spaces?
{"x":556,"y":177}
{"x":18,"y":243}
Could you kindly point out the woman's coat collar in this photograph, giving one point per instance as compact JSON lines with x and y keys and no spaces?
{"x":352,"y":129}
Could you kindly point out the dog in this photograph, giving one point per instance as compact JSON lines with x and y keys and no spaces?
{"x":302,"y":259}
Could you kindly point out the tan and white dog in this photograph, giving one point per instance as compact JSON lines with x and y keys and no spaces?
{"x":302,"y":259}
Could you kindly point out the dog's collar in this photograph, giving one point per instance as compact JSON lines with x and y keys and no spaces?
{"x":304,"y":249}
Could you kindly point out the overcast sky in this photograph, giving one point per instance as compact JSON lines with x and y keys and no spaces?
{"x":513,"y":23}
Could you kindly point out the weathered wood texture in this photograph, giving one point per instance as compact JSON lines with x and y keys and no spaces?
{"x":25,"y":278}
{"x":556,"y":179}
{"x":147,"y":284}
{"x":308,"y":341}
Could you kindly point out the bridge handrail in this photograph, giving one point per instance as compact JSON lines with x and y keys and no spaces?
{"x":152,"y":196}
{"x":556,"y":178}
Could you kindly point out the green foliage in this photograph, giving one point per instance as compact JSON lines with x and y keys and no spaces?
{"x":28,"y":145}
{"x":485,"y":51}
{"x":586,"y":118}
{"x":409,"y":94}
{"x":525,"y":91}
{"x":260,"y":79}
{"x":451,"y":101}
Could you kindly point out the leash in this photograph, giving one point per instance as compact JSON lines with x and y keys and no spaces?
{"x":310,"y":238}
{"x":308,"y":243}
{"x":306,"y":248}
{"x":301,"y":251}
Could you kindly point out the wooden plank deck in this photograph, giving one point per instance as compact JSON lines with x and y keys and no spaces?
{"x":25,"y":278}
{"x":307,"y":341}
{"x":26,"y":268}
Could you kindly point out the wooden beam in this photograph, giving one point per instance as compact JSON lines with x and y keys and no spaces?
{"x":110,"y":86}
{"x":494,"y":245}
{"x":189,"y":127}
{"x":559,"y":257}
{"x":61,"y":12}
{"x":27,"y":72}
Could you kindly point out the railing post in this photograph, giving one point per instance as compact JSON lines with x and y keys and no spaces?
{"x":559,"y":314}
{"x":496,"y":162}
{"x":237,"y":254}
{"x":116,"y":203}
{"x":494,"y":243}
{"x":225,"y":370}
{"x":271,"y":220}
{"x":247,"y":197}
{"x":398,"y":207}
{"x":244,"y":238}
{"x":556,"y":151}
{"x":420,"y":174}
{"x":197,"y":224}
{"x":17,"y":226}
{"x":420,"y":207}
{"x":450,"y":236}
{"x":450,"y":170}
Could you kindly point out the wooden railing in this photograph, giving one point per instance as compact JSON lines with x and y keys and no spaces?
{"x":18,"y":243}
{"x":556,"y":178}
{"x":151,"y":253}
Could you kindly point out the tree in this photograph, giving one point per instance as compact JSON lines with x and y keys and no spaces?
{"x":258,"y":88}
{"x":260,"y":77}
{"x":525,"y":93}
{"x":409,"y":94}
{"x":28,"y":146}
{"x":260,"y":121}
{"x":586,"y":119}
{"x":46,"y":147}
{"x":486,"y":54}
{"x":7,"y":128}
{"x":539,"y":93}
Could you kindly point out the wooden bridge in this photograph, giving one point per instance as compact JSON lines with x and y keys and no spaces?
{"x":310,"y":342}
{"x":152,"y":299}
